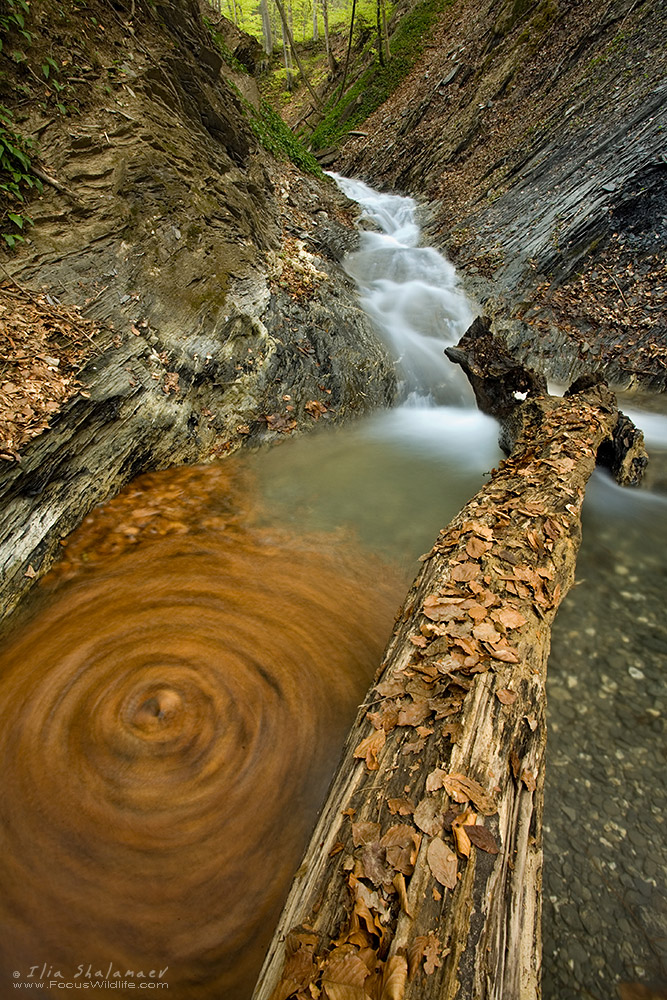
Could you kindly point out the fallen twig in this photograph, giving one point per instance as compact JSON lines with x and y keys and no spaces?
{"x":52,"y":182}
{"x":607,"y":271}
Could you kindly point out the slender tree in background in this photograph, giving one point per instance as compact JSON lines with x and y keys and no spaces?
{"x":349,"y":47}
{"x":316,"y":32}
{"x":287,"y":57}
{"x":383,"y":43}
{"x":325,"y":21}
{"x":287,"y":34}
{"x":378,"y":15}
{"x":267,"y":33}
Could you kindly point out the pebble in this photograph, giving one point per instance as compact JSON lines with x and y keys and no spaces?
{"x":605,"y":801}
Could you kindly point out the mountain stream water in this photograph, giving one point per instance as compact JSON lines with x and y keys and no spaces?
{"x":210,"y":626}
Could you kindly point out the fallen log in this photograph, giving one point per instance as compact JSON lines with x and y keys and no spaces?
{"x":423,"y":875}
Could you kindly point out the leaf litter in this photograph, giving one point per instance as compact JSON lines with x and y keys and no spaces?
{"x":43,"y":346}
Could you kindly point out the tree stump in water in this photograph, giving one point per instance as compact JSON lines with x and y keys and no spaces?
{"x":423,"y":875}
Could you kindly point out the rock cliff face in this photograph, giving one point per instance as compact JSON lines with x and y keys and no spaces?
{"x":536,"y":132}
{"x":211,"y":268}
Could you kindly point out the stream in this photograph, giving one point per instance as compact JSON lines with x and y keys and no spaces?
{"x":211,"y":626}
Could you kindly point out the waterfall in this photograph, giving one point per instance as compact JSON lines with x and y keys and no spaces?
{"x":413,"y":296}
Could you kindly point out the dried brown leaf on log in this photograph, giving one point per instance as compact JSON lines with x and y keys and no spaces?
{"x":529,"y":780}
{"x":394,"y":978}
{"x":386,"y":719}
{"x":344,"y":967}
{"x":502,"y":652}
{"x":364,"y":832}
{"x":315,"y":408}
{"x":299,"y":963}
{"x":508,"y":617}
{"x":482,"y":837}
{"x":425,"y":947}
{"x":464,"y":572}
{"x":486,"y":632}
{"x":391,"y":688}
{"x":373,"y":865}
{"x":505,"y":696}
{"x":401,"y":843}
{"x":477,"y":547}
{"x":477,"y":611}
{"x":399,"y":885}
{"x":461,"y":838}
{"x":464,"y":789}
{"x":369,"y":749}
{"x":479,"y":528}
{"x":365,"y":926}
{"x":435,"y":779}
{"x":428,"y":816}
{"x":442,"y":608}
{"x":443,"y":863}
{"x":400,"y":806}
{"x":414,"y":713}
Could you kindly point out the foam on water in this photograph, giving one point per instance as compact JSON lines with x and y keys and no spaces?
{"x":412,"y":294}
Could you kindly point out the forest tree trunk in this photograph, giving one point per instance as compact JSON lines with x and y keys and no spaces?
{"x":267,"y":34}
{"x":325,"y":21}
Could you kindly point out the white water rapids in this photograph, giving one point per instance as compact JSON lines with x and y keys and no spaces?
{"x":413,"y":296}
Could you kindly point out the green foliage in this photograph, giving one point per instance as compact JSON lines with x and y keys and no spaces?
{"x":266,"y":123}
{"x":275,"y":136}
{"x":16,"y":176}
{"x":378,"y":82}
{"x":12,"y":19}
{"x":227,"y":55}
{"x":50,"y":66}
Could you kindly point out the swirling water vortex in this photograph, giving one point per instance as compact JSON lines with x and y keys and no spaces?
{"x":172,"y":711}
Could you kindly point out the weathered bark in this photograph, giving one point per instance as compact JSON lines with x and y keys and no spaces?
{"x":423,"y":876}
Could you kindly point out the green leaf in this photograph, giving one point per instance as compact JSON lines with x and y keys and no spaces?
{"x":46,"y":69}
{"x":62,"y":109}
{"x":8,"y":238}
{"x":21,"y":157}
{"x":16,"y":219}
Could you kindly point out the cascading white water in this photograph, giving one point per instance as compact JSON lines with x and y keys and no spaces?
{"x":413,"y":296}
